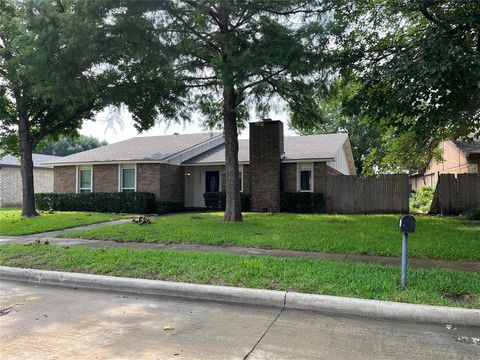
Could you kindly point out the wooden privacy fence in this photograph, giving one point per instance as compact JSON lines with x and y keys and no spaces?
{"x":456,"y":194}
{"x":350,"y":194}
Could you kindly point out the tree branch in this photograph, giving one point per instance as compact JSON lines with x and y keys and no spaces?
{"x":263,"y":79}
{"x":209,"y":12}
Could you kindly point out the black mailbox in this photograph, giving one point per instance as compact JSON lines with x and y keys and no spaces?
{"x":407,"y":223}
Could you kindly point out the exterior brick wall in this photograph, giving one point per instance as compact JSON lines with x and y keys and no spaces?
{"x":65,"y":179}
{"x":332,"y":172}
{"x":289,"y":177}
{"x":454,"y":161}
{"x":266,"y":148}
{"x":164,"y":180}
{"x":105,"y":178}
{"x":320,"y":177}
{"x":11,"y":190}
{"x":172,"y":183}
{"x":148,"y":178}
{"x":11,"y":184}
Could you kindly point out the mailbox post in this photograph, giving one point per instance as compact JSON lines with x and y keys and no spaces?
{"x":407,"y":225}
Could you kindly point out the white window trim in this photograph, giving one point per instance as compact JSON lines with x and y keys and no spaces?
{"x":120,"y":177}
{"x":220,"y":180}
{"x":240,"y":170}
{"x":308,"y":167}
{"x":78,"y":182}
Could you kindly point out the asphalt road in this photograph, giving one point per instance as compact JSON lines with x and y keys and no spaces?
{"x":40,"y":322}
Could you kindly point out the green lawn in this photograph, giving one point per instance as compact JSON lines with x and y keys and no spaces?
{"x":11,"y":223}
{"x":310,"y":276}
{"x":436,"y":237}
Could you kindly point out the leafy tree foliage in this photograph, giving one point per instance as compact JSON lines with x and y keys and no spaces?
{"x":64,"y":145}
{"x":364,"y":138}
{"x":47,"y":83}
{"x":225,"y":59}
{"x":61,"y":62}
{"x":418,"y":64}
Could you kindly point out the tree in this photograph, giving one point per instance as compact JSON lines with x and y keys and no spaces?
{"x":335,"y":118}
{"x":418,"y":66}
{"x":229,"y":58}
{"x":64,"y":145}
{"x":48,"y":83}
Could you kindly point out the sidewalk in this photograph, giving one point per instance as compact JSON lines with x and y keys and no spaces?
{"x":381,"y":260}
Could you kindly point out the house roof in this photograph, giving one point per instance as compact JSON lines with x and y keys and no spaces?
{"x":148,"y":148}
{"x":307,"y":147}
{"x":39,"y":160}
{"x":469,"y":147}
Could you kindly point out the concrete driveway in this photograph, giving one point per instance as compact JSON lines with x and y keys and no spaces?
{"x":40,"y":322}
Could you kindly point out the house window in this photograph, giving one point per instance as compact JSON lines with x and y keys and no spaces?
{"x":240,"y":178}
{"x":85,"y":179}
{"x":305,"y":180}
{"x":305,"y":177}
{"x":128,"y":178}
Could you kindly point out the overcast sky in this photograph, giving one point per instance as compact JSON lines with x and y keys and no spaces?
{"x":124,"y":128}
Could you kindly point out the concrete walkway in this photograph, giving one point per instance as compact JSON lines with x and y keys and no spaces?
{"x":425,"y":263}
{"x":42,"y":322}
{"x":382,"y":260}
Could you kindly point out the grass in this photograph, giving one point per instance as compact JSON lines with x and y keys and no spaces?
{"x":11,"y":223}
{"x":436,"y":237}
{"x":436,"y":287}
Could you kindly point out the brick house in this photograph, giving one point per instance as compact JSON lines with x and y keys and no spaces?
{"x":183,"y":167}
{"x":458,"y":157}
{"x":11,"y":178}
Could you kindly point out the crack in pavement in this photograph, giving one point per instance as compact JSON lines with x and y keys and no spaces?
{"x":268,"y":328}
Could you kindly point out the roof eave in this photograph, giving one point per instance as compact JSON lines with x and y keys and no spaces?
{"x":285,"y":161}
{"x":109,"y":162}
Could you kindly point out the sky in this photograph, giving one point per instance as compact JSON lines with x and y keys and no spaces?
{"x":123,"y":128}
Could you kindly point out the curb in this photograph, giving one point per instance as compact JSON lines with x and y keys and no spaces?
{"x":282,"y":299}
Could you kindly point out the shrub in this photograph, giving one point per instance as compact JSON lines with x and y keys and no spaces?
{"x":473,"y":214}
{"x":217,"y":201}
{"x":302,"y":202}
{"x":132,"y":202}
{"x":421,"y":200}
{"x":165,"y":207}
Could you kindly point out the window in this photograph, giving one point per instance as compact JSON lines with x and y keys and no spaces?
{"x":128,"y":178}
{"x":212,"y":181}
{"x":85,"y":179}
{"x":305,"y":180}
{"x":305,"y":177}
{"x":240,"y":178}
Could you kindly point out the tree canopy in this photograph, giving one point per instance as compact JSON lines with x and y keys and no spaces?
{"x":226,"y":60}
{"x":418,"y":66}
{"x":64,"y":145}
{"x":48,"y":80}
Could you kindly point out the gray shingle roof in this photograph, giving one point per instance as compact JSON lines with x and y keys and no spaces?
{"x":39,"y":160}
{"x":323,"y":146}
{"x":150,"y":148}
{"x":469,"y":147}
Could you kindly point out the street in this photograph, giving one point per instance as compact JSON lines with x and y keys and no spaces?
{"x":41,"y":322}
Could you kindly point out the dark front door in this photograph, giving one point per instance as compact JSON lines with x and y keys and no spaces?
{"x":212,"y":181}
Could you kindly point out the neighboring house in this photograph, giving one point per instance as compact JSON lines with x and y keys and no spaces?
{"x":11,"y":178}
{"x":183,"y":167}
{"x":458,"y":157}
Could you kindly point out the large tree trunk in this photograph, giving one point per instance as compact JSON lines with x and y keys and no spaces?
{"x":233,"y":210}
{"x":28,"y":205}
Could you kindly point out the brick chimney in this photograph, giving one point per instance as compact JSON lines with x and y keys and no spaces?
{"x":266,"y":149}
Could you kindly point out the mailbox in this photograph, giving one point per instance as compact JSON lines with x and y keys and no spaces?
{"x":407,"y":223}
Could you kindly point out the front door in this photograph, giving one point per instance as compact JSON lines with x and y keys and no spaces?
{"x":212,"y":181}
